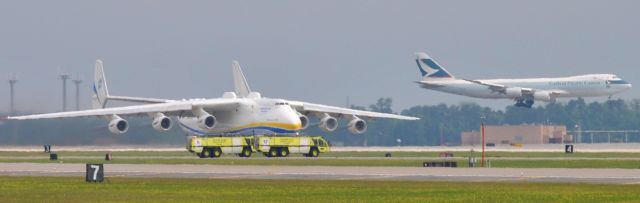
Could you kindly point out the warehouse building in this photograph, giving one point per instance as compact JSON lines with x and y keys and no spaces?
{"x":517,"y":134}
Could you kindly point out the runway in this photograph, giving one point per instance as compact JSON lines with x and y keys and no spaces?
{"x":611,"y":176}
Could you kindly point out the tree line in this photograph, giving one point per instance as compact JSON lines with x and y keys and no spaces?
{"x":442,"y":124}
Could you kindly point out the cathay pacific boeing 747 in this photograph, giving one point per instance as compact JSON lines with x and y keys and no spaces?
{"x":523,"y":91}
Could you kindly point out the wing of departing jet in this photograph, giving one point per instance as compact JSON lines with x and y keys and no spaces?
{"x":522,"y":93}
{"x":494,"y":87}
{"x":304,"y":108}
{"x":170,"y":109}
{"x":500,"y":88}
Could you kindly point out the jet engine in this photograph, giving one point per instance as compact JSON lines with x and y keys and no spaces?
{"x":304,"y":121}
{"x":542,"y":96}
{"x":328,"y":123}
{"x":118,"y":125}
{"x":513,"y":92}
{"x":205,"y":120}
{"x":357,"y":126}
{"x":161,"y":122}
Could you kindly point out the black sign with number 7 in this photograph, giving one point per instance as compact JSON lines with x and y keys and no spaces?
{"x":95,"y":173}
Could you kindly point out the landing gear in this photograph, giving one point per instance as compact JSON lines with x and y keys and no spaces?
{"x":528,"y":103}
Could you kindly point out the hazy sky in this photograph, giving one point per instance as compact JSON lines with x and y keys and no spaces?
{"x":317,"y":51}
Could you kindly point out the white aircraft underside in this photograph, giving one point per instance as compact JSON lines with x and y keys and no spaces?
{"x":240,"y":112}
{"x":524,"y":91}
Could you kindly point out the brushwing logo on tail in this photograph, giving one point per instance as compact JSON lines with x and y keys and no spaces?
{"x":97,"y":86}
{"x":429,"y":68}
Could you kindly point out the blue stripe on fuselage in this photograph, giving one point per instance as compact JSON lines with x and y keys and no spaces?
{"x":240,"y":131}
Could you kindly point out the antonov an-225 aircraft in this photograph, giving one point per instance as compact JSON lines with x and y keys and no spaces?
{"x":240,"y":112}
{"x":523,"y":91}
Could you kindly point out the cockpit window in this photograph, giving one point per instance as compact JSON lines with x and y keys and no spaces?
{"x":281,"y":103}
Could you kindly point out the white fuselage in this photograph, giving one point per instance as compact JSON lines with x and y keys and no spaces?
{"x":576,"y":86}
{"x":251,"y":116}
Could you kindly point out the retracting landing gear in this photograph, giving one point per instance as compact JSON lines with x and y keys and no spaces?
{"x":526,"y":103}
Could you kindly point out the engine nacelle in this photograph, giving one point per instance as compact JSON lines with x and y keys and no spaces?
{"x":207,"y":121}
{"x":161,"y":122}
{"x":118,"y":125}
{"x":304,"y":121}
{"x":357,"y":126}
{"x":328,"y":123}
{"x":513,"y":92}
{"x":542,"y":96}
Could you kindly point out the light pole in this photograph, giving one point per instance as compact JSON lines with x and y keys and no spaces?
{"x":64,"y":78}
{"x":12,"y":82}
{"x":77,"y":82}
{"x":483,"y":145}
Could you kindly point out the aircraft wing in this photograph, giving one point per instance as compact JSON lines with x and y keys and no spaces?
{"x":170,"y":109}
{"x":305,"y":107}
{"x":500,"y":88}
{"x":525,"y":91}
{"x":493,"y":86}
{"x":138,"y":99}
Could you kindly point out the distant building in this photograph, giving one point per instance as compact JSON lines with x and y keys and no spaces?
{"x":517,"y":134}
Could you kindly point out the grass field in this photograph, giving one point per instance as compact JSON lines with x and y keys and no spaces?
{"x":74,"y":189}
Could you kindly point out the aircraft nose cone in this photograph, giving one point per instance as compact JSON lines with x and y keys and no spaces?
{"x":625,"y":86}
{"x":294,"y":122}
